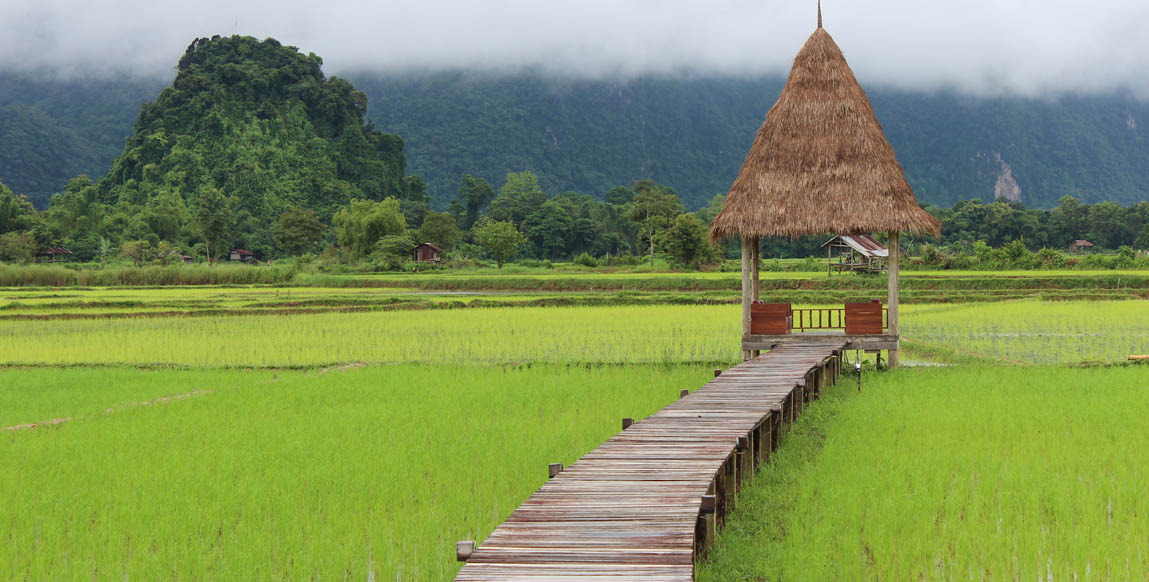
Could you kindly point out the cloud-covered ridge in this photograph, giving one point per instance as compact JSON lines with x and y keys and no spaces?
{"x":982,"y":47}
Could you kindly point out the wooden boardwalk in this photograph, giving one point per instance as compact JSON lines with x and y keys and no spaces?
{"x":646,"y":503}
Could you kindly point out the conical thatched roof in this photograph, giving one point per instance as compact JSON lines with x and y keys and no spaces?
{"x":821,"y":163}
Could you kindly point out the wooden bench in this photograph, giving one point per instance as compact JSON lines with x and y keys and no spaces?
{"x":864,"y":318}
{"x":771,"y":318}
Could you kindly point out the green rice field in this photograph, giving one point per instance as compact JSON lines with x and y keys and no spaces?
{"x":358,"y":473}
{"x":253,"y":432}
{"x":943,"y":474}
{"x":1028,"y":331}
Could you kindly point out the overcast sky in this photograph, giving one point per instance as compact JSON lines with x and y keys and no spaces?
{"x":984,"y":47}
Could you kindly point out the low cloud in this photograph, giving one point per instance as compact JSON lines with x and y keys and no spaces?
{"x":982,"y":47}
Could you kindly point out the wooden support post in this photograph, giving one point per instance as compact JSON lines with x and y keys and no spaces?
{"x":775,"y":426}
{"x":682,"y":393}
{"x":554,"y":469}
{"x":626,"y":422}
{"x":464,"y":550}
{"x":892,"y":299}
{"x":704,"y":534}
{"x":747,"y":467}
{"x":717,"y":372}
{"x":754,"y":283}
{"x":731,"y":482}
{"x":718,"y":489}
{"x":747,"y":291}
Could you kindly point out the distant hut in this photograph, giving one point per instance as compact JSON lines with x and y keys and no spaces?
{"x":242,"y":256}
{"x":53,"y":255}
{"x":820,"y":164}
{"x":856,"y":252}
{"x":428,"y":253}
{"x":1079,"y":247}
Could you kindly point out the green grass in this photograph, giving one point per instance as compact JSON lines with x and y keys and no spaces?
{"x":954,"y":473}
{"x":369,"y":473}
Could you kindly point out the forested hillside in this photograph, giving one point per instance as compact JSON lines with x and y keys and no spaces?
{"x":589,"y":136}
{"x":692,"y":134}
{"x":53,"y":129}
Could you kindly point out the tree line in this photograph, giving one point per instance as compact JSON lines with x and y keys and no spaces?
{"x":518,"y":221}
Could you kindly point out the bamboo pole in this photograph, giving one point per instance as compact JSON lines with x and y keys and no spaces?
{"x":747,"y":291}
{"x":892,"y":299}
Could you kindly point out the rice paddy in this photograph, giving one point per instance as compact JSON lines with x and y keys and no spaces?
{"x":317,"y":432}
{"x":357,"y":473}
{"x":957,"y":473}
{"x":1029,"y":331}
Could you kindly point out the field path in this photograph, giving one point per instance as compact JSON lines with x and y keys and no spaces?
{"x":646,"y":502}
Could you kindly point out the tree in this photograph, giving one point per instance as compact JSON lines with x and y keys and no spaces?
{"x":549,"y":228}
{"x":653,"y":207}
{"x":213,"y":218}
{"x":16,"y":212}
{"x":18,"y":247}
{"x":166,"y":252}
{"x":707,"y":213}
{"x":1142,"y":241}
{"x":687,"y":241}
{"x":499,"y":238}
{"x":519,"y":197}
{"x":474,"y":195}
{"x":137,"y":250}
{"x":360,"y":226}
{"x":165,"y":214}
{"x":392,"y":251}
{"x":104,"y":248}
{"x":439,"y":229}
{"x":297,"y":231}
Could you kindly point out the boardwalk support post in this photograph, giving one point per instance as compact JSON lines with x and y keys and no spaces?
{"x":554,"y":469}
{"x":626,"y":422}
{"x":464,"y":550}
{"x":892,"y":297}
{"x":682,"y":393}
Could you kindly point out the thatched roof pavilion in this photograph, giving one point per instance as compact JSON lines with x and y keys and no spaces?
{"x":820,"y":164}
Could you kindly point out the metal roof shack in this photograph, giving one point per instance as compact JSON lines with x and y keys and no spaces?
{"x":428,"y":253}
{"x":53,"y":255}
{"x":1080,"y":245}
{"x":242,"y":256}
{"x":863,"y":243}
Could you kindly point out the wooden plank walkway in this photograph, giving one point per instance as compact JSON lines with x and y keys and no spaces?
{"x":646,"y":503}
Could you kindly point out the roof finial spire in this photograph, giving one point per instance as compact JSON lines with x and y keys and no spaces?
{"x":819,"y":13}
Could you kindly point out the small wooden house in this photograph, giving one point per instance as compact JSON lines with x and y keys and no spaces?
{"x":242,"y":256}
{"x":1078,"y":247}
{"x":856,"y":252}
{"x":53,"y":255}
{"x":428,"y":253}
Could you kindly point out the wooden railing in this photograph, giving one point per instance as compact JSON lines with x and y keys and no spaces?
{"x":814,"y":318}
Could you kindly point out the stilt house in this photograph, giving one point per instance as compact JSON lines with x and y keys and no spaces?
{"x":820,"y":164}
